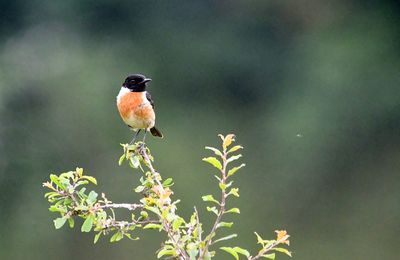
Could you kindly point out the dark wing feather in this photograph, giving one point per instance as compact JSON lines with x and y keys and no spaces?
{"x":148,"y":96}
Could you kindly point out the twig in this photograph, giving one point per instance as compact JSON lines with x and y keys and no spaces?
{"x":166,"y":225}
{"x":127,"y":206}
{"x":221,"y":210}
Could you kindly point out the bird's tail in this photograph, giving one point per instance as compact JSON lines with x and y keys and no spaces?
{"x":155,"y":132}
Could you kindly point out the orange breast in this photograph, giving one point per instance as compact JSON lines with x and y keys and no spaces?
{"x":136,"y":110}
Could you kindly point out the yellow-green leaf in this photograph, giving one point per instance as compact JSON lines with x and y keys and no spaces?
{"x":225,"y":238}
{"x":71,"y":222}
{"x":234,"y":192}
{"x":79,"y":171}
{"x":210,"y":198}
{"x":231,"y":251}
{"x":96,"y":237}
{"x":121,"y":159}
{"x":90,"y":178}
{"x":235,"y":169}
{"x":59,"y":222}
{"x":282,"y":250}
{"x":153,"y":226}
{"x":225,"y":224}
{"x":177,"y":223}
{"x":235,"y":148}
{"x":233,"y":158}
{"x":214,"y":162}
{"x":233,"y":210}
{"x":117,"y":237}
{"x":269,"y":256}
{"x":166,"y":251}
{"x":215,"y":150}
{"x":87,"y":224}
{"x":241,"y":251}
{"x":213,"y":209}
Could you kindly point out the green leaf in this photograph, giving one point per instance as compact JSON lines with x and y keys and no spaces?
{"x":57,"y":208}
{"x":166,"y":251}
{"x":134,"y":162}
{"x":91,"y":199}
{"x":209,"y":198}
{"x":233,"y":158}
{"x":51,"y":194}
{"x":235,"y":148}
{"x":269,"y":256}
{"x":79,"y":183}
{"x":235,"y":169}
{"x":225,"y":224}
{"x":168,"y":182}
{"x":79,"y":171}
{"x":225,"y":238}
{"x":155,"y":210}
{"x":153,"y":226}
{"x":67,"y":175}
{"x":54,"y":178}
{"x":214,"y":162}
{"x":213,"y":209}
{"x":96,"y":237}
{"x":139,"y":189}
{"x":234,"y":192}
{"x":222,"y":185}
{"x":231,"y":251}
{"x":130,"y":237}
{"x":177,"y":223}
{"x":209,"y":255}
{"x":117,"y":237}
{"x":120,"y":161}
{"x":215,"y":150}
{"x":71,"y":222}
{"x":241,"y":251}
{"x":193,"y":252}
{"x":233,"y":210}
{"x":59,"y":222}
{"x":282,"y":250}
{"x":88,"y":223}
{"x":90,"y":178}
{"x":260,"y":240}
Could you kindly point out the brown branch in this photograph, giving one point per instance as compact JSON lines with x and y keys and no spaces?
{"x":166,"y":225}
{"x":121,"y":224}
{"x":127,"y":206}
{"x":222,"y":207}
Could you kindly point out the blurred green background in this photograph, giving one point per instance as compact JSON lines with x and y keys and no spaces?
{"x":310,"y":88}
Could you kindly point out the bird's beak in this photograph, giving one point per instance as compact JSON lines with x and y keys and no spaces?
{"x":146,"y":80}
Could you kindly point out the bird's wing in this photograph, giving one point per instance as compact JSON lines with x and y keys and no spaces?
{"x":148,"y":96}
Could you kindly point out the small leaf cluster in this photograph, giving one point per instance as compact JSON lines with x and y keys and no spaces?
{"x":156,"y":209}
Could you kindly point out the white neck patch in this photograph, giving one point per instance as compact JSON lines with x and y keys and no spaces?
{"x":122,"y":93}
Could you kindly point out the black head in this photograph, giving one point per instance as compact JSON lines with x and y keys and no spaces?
{"x":136,"y":82}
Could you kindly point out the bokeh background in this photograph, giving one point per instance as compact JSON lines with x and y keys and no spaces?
{"x":311,"y":89}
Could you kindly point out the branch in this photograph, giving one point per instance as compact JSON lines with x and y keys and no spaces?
{"x":221,"y":211}
{"x":127,"y":206}
{"x":174,"y":236}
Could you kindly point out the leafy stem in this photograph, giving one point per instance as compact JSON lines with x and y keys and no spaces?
{"x":156,"y":209}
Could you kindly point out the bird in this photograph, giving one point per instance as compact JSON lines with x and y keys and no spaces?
{"x":136,"y":107}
